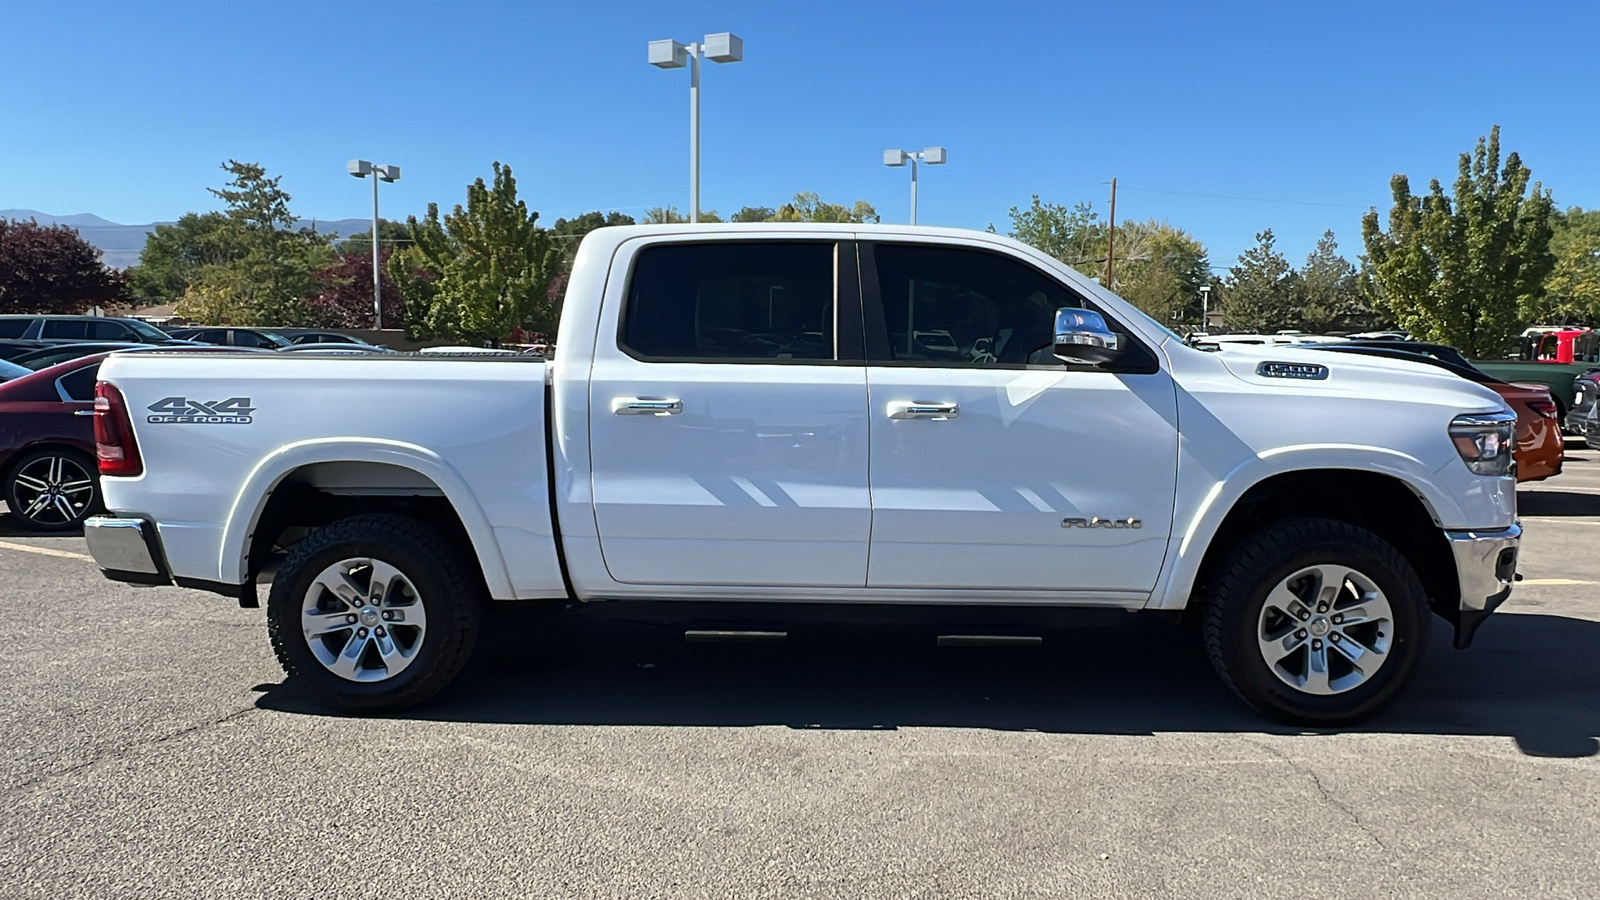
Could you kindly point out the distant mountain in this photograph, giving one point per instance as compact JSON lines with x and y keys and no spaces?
{"x":120,"y":245}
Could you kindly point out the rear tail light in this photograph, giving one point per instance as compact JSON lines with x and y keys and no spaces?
{"x":114,"y":445}
{"x":1546,"y":408}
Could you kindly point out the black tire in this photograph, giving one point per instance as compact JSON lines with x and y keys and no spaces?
{"x":448,"y":590}
{"x":69,"y":505}
{"x":1233,"y":617}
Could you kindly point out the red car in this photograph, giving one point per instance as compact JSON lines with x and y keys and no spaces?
{"x":48,"y":474}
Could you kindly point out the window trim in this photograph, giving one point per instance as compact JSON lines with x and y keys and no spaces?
{"x":879,"y":352}
{"x":848,"y":338}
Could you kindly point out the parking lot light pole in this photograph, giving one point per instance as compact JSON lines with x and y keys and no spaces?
{"x":933,"y":156}
{"x":360,"y":168}
{"x":722,"y":47}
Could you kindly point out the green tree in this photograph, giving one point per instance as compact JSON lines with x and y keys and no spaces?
{"x":568,"y":235}
{"x":1327,"y":291}
{"x":754,"y":214}
{"x":1073,"y":235}
{"x":1468,"y":269}
{"x":481,"y":271}
{"x":669,"y":215}
{"x":391,"y":233}
{"x":1160,"y":269}
{"x":273,"y":273}
{"x":1572,"y":290}
{"x":808,"y":207}
{"x":1259,"y":293}
{"x":175,"y":253}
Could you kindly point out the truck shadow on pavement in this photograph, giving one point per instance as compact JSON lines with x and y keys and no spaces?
{"x":1557,"y":503}
{"x":1531,"y":677}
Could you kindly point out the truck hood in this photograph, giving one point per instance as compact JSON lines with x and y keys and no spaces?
{"x":1352,"y":374}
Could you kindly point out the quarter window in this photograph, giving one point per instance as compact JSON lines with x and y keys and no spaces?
{"x":79,"y":385}
{"x":760,"y":301}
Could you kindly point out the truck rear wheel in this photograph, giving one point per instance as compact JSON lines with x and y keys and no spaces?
{"x":372,"y":613}
{"x":1316,"y":622}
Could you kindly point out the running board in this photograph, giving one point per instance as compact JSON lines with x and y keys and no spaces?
{"x":735,"y":637}
{"x":990,"y":640}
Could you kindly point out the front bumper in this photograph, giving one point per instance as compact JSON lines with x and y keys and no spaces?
{"x":126,"y":549}
{"x":1486,"y":565}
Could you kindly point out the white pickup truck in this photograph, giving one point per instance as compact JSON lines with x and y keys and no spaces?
{"x":822,"y":414}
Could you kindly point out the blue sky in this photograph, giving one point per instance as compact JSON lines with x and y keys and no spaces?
{"x":1202,"y":111}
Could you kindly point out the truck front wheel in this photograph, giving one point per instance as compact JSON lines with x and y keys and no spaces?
{"x":372,"y":613}
{"x":1316,"y":622}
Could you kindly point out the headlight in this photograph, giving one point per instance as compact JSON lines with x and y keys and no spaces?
{"x":1484,"y":441}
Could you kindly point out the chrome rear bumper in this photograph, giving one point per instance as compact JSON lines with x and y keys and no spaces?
{"x":1486,"y":566}
{"x":126,"y":549}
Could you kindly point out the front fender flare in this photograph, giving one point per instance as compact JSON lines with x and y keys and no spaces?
{"x":1197,"y":521}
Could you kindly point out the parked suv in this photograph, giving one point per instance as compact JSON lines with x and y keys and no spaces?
{"x":56,"y":329}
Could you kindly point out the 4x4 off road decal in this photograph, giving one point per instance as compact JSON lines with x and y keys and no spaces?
{"x":183,"y":411}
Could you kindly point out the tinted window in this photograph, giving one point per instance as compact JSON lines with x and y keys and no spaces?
{"x":145,"y":330}
{"x":213,"y":336}
{"x":958,"y":307}
{"x":13,"y":328}
{"x":79,"y":385}
{"x":250,"y":339}
{"x":108,"y":331}
{"x":732,"y":301}
{"x":65,"y":328}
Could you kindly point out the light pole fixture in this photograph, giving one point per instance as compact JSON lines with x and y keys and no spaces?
{"x":360,"y":168}
{"x":933,"y":156}
{"x":723,"y":47}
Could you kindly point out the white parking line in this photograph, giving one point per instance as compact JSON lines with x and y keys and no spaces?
{"x":45,"y":551}
{"x":1551,"y":582}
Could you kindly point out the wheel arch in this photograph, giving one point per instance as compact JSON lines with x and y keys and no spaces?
{"x":1383,"y":502}
{"x":362,"y":475}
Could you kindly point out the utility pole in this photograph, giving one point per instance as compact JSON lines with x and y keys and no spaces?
{"x":1111,"y":233}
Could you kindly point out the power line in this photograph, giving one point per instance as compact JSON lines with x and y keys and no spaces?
{"x":1245,"y":199}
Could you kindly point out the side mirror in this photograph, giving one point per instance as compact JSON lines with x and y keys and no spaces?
{"x":1082,"y":337}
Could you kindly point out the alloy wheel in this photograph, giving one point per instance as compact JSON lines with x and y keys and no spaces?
{"x":53,"y":491}
{"x":363,"y":619}
{"x":1325,"y":629}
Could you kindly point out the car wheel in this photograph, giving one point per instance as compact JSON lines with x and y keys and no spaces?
{"x":53,"y":489}
{"x":1316,"y":622}
{"x":372,"y":613}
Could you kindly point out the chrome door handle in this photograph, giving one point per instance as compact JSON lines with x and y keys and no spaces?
{"x":83,"y":412}
{"x":646,"y":406}
{"x":909,"y":409}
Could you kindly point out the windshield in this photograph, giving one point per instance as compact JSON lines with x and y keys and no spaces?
{"x":148,"y":331}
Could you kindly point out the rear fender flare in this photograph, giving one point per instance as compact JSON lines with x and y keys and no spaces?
{"x":257,"y":489}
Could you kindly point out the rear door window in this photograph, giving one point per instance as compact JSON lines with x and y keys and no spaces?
{"x":13,"y":328}
{"x":65,"y":328}
{"x":766,"y":301}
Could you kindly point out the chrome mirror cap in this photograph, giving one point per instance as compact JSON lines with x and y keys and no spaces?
{"x":1083,"y":338}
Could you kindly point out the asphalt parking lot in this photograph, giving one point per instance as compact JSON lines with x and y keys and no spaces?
{"x":149,"y":749}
